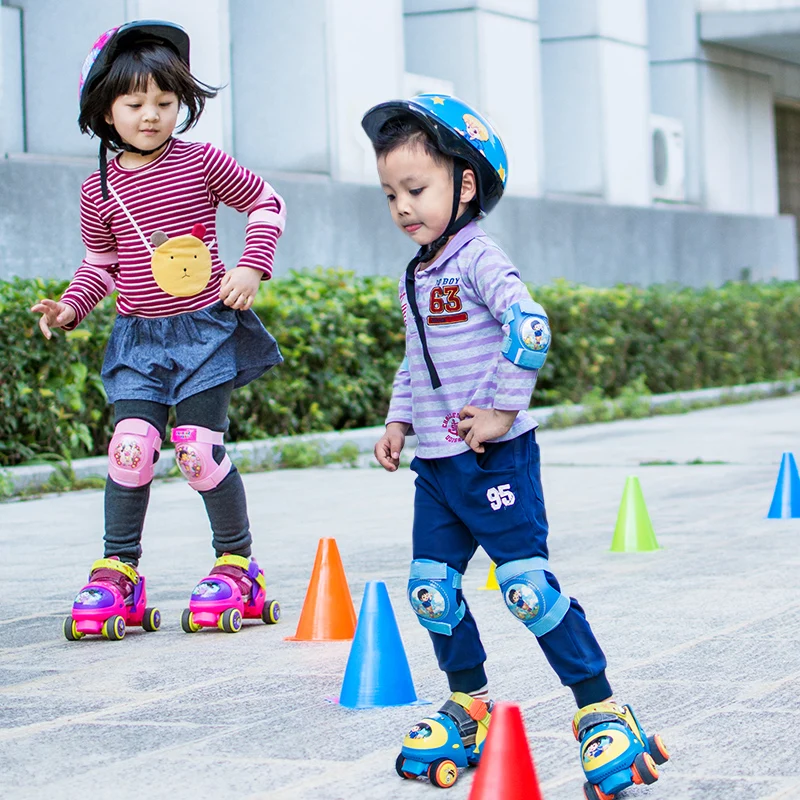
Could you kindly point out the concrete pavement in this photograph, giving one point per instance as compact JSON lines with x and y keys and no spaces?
{"x":703,"y":636}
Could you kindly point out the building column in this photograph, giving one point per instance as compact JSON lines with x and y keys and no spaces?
{"x":596,"y":99}
{"x":303,"y":75}
{"x":12,"y":132}
{"x":207,"y":24}
{"x":52,"y":71}
{"x":489,"y":51}
{"x":726,"y":105}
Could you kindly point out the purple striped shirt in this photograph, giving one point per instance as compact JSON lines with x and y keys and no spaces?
{"x":462,"y":297}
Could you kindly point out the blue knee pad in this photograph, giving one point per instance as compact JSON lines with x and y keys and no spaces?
{"x":432,"y":587}
{"x":528,"y":595}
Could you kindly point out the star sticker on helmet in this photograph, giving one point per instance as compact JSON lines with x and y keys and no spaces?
{"x":438,"y":101}
{"x":502,"y":173}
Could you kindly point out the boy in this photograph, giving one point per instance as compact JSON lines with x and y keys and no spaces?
{"x":475,"y":341}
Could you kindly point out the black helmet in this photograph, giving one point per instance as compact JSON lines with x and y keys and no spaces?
{"x":112,"y":42}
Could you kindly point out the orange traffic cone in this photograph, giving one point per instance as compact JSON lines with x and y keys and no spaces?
{"x":506,"y":767}
{"x":328,"y":614}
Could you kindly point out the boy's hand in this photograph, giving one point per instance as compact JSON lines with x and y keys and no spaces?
{"x":389,"y":446}
{"x":239,"y":287}
{"x":479,"y":425}
{"x":55,"y":314}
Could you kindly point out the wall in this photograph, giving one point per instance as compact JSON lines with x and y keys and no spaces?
{"x":725,"y":99}
{"x":335,"y":224}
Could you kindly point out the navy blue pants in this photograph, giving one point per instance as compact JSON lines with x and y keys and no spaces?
{"x":455,"y":511}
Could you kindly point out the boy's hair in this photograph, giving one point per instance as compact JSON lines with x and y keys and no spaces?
{"x":130,"y":72}
{"x":404,"y":131}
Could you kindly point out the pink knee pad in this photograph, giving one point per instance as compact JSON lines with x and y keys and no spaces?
{"x":194,"y":452}
{"x":132,"y":451}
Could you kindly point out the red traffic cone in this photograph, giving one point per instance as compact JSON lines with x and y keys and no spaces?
{"x":506,"y":767}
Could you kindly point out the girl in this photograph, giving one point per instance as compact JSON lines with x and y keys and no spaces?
{"x":185,"y":335}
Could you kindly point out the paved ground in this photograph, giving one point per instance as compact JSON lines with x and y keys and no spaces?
{"x":703,"y":637}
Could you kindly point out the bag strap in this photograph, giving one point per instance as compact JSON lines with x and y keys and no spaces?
{"x":130,"y":217}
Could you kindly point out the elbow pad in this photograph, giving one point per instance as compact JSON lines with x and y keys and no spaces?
{"x":528,"y":339}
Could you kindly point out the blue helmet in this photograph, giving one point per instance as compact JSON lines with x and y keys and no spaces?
{"x":459,"y":131}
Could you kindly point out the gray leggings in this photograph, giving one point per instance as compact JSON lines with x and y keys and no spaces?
{"x":226,"y":504}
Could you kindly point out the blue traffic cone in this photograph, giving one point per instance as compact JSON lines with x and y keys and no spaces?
{"x":377,"y":672}
{"x":786,"y":500}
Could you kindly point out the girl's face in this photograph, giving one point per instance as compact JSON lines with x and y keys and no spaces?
{"x":146,"y":119}
{"x":420,"y":192}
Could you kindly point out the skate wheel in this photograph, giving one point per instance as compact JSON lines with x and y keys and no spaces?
{"x":71,"y":632}
{"x":152,"y":619}
{"x":230,"y":620}
{"x":271,"y":612}
{"x":187,"y":622}
{"x":443,"y":773}
{"x":644,"y":769}
{"x":591,"y":792}
{"x":575,"y":730}
{"x":398,"y":765}
{"x":114,"y":628}
{"x":658,"y":751}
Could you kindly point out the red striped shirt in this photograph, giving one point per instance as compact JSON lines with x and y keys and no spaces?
{"x":180,"y":188}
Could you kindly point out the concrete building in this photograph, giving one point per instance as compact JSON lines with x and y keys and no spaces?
{"x":649,"y":140}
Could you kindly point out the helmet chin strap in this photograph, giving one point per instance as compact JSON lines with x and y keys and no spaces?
{"x":103,"y":159}
{"x":426,"y":254}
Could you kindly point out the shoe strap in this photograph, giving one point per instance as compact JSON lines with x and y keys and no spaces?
{"x":476,"y":708}
{"x":598,"y":713}
{"x":234,"y":561}
{"x":118,"y":566}
{"x":467,"y":713}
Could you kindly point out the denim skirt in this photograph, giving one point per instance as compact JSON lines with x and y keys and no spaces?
{"x":167,"y":359}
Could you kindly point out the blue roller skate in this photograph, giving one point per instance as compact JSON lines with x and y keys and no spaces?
{"x":451,"y":739}
{"x":615,"y":751}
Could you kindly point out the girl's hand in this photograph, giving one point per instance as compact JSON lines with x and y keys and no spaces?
{"x":388,"y":447}
{"x":54,"y":315}
{"x":479,"y":425}
{"x":239,"y":287}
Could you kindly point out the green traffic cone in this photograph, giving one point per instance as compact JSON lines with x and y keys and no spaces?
{"x":634,"y":532}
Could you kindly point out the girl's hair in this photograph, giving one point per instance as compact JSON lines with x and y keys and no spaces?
{"x":405,"y":130}
{"x":130,"y":72}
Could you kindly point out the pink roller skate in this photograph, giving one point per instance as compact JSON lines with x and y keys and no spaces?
{"x":235,"y":590}
{"x":114,"y":598}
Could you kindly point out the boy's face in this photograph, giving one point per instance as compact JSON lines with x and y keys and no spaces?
{"x":419,"y":191}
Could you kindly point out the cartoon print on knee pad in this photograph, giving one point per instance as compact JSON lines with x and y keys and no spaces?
{"x":189,"y":461}
{"x":433,"y":594}
{"x":194,"y":454}
{"x":529,"y":596}
{"x":428,"y":601}
{"x":127,"y":453}
{"x":132,"y":452}
{"x":522,"y":601}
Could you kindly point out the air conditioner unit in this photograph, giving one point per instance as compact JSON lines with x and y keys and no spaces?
{"x":669,"y":160}
{"x":421,"y":84}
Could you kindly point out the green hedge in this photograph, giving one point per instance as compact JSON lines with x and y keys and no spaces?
{"x":342,"y":337}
